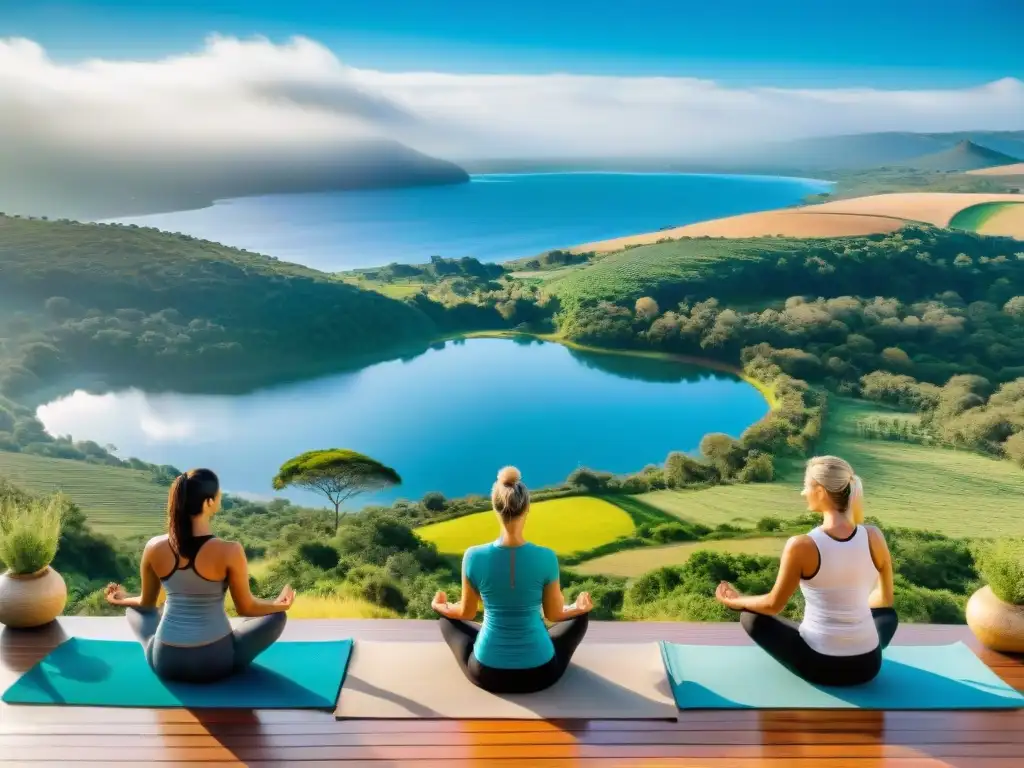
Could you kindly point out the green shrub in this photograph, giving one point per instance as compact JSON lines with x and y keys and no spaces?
{"x":320,"y":555}
{"x":372,"y":583}
{"x":29,"y":533}
{"x":757,"y":468}
{"x":1002,"y":566}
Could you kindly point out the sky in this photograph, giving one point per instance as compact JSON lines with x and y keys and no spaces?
{"x":499,"y":79}
{"x":792,"y":43}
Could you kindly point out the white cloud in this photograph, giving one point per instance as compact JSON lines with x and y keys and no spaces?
{"x":299,"y":97}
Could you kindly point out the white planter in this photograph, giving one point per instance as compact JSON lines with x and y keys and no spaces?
{"x":31,"y":600}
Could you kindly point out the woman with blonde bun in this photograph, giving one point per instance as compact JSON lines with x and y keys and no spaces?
{"x":844,"y":570}
{"x":512,"y":652}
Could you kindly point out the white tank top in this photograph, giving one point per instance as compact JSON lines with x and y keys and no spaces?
{"x":837,"y":617}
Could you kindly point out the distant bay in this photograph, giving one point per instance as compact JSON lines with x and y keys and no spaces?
{"x":495,"y":217}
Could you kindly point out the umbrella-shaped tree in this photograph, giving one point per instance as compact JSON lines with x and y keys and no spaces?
{"x":337,"y":473}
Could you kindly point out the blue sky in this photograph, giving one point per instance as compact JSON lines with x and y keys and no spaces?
{"x":794,"y":43}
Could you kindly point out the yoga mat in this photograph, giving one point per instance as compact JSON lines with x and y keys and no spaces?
{"x":105,"y":673}
{"x":912,"y":677}
{"x":421,"y":680}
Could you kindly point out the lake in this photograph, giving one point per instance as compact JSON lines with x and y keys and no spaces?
{"x":495,"y":217}
{"x":446,"y":420}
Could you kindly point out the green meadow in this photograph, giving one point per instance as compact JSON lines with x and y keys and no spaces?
{"x":118,"y":501}
{"x":975,"y":217}
{"x":957,"y":493}
{"x":634,"y":562}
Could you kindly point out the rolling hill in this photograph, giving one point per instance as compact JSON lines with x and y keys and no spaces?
{"x":113,"y":184}
{"x":141,"y":305}
{"x":873,"y":150}
{"x":965,"y":156}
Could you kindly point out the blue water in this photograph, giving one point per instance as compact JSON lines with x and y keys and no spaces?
{"x":494,"y":217}
{"x":446,"y":420}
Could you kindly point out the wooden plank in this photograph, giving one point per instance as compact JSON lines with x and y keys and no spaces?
{"x":554,"y":737}
{"x":710,"y":739}
{"x":729,"y":762}
{"x":48,"y":753}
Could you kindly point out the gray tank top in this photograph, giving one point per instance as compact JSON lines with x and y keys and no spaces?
{"x":194,"y":612}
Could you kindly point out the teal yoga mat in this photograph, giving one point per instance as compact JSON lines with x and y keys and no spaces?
{"x":912,"y":677}
{"x":104,"y":673}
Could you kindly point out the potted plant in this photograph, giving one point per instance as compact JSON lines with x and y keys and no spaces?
{"x":995,"y":613}
{"x":31,"y":592}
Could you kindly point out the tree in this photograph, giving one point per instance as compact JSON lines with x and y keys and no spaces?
{"x":646,"y":308}
{"x":723,"y":453}
{"x":435,"y":502}
{"x":337,"y":473}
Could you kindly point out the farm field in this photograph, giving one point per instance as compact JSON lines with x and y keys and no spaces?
{"x":118,"y":501}
{"x":936,"y":208}
{"x":866,"y":215}
{"x":801,"y":222}
{"x":952,"y":492}
{"x":640,"y":271}
{"x":1005,"y":219}
{"x":634,"y":562}
{"x":567,"y":525}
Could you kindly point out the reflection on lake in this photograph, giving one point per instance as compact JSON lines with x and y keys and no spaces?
{"x":447,"y":420}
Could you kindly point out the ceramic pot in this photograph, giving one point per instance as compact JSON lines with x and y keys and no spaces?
{"x":31,"y":600}
{"x":997,"y":624}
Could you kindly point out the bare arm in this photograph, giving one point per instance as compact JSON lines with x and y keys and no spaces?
{"x":116,"y":595}
{"x":555,"y":608}
{"x":798,"y":555}
{"x":882,"y":597}
{"x":467,"y":607}
{"x":238,"y":582}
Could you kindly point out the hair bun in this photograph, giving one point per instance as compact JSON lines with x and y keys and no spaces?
{"x":509,"y":476}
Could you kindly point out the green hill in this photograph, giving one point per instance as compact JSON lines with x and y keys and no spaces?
{"x":965,"y":156}
{"x":137,"y":305}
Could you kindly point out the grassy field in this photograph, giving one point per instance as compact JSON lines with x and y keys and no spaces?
{"x":640,"y":271}
{"x":568,"y":525}
{"x":317,"y":607}
{"x":119,"y":501}
{"x":975,"y":217}
{"x":634,"y":562}
{"x":952,"y":492}
{"x":397,"y":289}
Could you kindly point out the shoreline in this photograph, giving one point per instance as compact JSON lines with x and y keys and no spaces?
{"x":766,"y":391}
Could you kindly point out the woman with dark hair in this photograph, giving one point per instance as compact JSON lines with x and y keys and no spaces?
{"x":512,"y":652}
{"x":844,"y":570}
{"x":191,"y":639}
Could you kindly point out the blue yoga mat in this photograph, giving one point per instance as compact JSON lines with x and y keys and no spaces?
{"x":912,"y":677}
{"x":105,"y":673}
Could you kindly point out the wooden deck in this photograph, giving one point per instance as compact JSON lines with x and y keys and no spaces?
{"x":721,"y":739}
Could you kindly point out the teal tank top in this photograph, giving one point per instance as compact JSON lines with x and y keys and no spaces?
{"x":511,"y":582}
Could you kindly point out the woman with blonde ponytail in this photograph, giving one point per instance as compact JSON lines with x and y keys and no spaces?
{"x":844,"y":570}
{"x":518,"y":582}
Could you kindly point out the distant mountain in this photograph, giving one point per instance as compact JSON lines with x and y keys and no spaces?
{"x":109,"y":185}
{"x":871,"y":150}
{"x":965,"y":156}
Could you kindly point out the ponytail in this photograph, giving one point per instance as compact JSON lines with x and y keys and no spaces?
{"x":187,"y":499}
{"x":855,"y":508}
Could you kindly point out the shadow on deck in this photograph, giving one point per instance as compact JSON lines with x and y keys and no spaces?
{"x":710,"y":739}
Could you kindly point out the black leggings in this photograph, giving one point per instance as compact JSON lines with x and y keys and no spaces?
{"x":781,"y":639}
{"x":565,"y":635}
